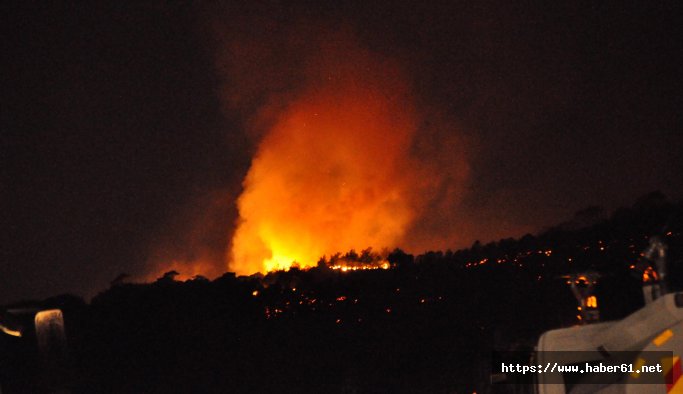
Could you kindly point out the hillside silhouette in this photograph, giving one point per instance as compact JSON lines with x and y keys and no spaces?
{"x":422,"y":324}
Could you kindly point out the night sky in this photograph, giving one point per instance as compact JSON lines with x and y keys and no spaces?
{"x":121,"y":143}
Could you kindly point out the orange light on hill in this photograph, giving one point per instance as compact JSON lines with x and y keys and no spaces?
{"x":186,"y":270}
{"x":650,"y":275}
{"x":592,"y":302}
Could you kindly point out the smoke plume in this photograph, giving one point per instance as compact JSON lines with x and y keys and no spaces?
{"x":346,"y":156}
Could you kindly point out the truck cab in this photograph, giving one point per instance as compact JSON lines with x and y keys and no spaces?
{"x":638,"y":340}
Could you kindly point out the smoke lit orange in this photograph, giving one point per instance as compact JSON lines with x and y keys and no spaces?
{"x":333,"y":173}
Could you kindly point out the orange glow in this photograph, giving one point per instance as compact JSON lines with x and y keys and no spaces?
{"x":345,"y":267}
{"x":186,"y":270}
{"x":50,"y":329}
{"x":650,"y":275}
{"x":592,"y":302}
{"x":49,"y":317}
{"x":346,"y":154}
{"x":663,"y":338}
{"x":334,"y":172}
{"x":8,"y":331}
{"x":185,"y":245}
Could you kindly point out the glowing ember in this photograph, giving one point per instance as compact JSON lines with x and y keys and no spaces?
{"x":650,"y":275}
{"x":345,"y":267}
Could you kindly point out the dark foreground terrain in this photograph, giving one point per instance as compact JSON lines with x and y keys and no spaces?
{"x":427,"y":324}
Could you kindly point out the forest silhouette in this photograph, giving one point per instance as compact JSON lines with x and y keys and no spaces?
{"x":425,"y":324}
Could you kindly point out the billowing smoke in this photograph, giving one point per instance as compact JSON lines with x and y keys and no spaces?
{"x":346,"y":156}
{"x":332,"y":174}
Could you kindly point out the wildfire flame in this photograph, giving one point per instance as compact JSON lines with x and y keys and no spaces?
{"x":348,"y":156}
{"x":334,"y":171}
{"x":331,"y":175}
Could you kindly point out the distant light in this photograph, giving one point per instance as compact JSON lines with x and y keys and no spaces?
{"x":650,"y":275}
{"x":592,"y":302}
{"x":254,"y":293}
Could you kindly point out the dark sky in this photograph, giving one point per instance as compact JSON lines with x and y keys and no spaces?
{"x":117,"y":148}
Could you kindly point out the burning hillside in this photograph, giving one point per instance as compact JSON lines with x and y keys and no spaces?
{"x":337,"y":169}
